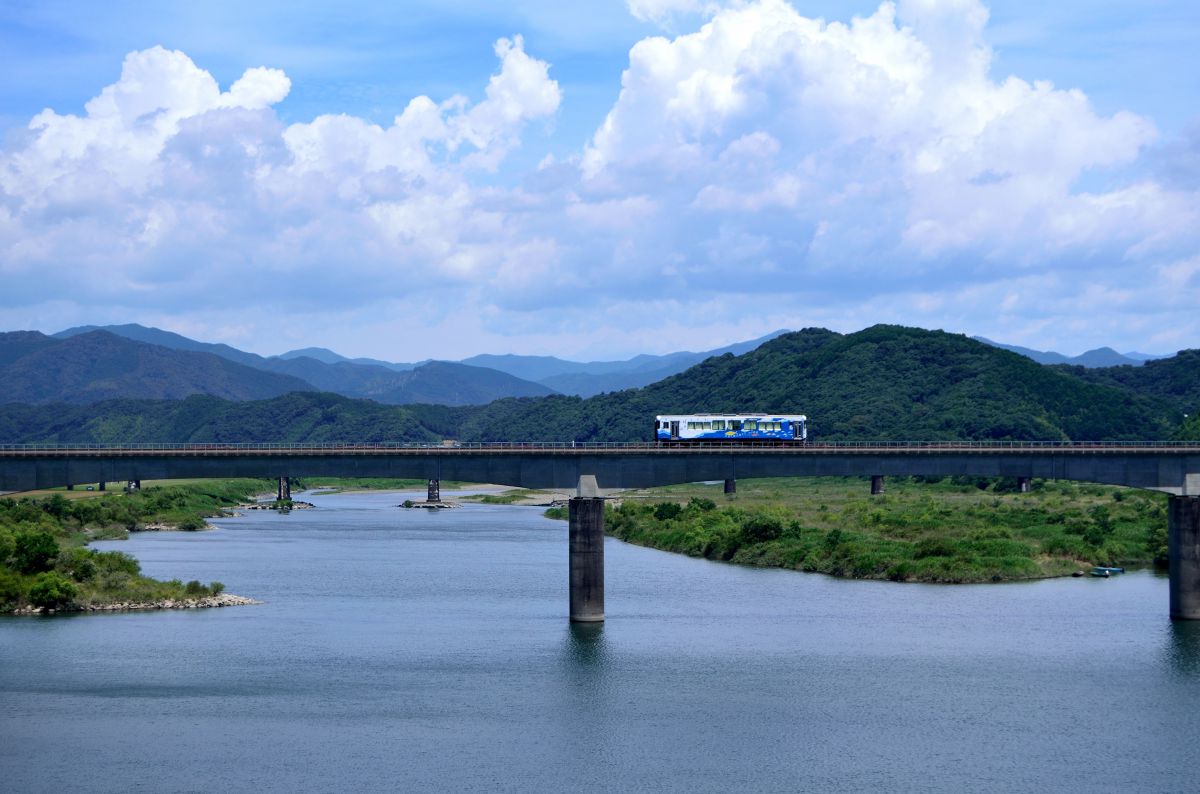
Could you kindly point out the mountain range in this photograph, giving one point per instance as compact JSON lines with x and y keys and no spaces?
{"x":885,"y":382}
{"x":1100,"y":357}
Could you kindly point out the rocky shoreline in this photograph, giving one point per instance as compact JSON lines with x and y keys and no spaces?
{"x":207,"y":602}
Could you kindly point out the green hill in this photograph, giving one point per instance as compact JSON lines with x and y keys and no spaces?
{"x":885,"y":383}
{"x":96,"y":366}
{"x":882,"y":383}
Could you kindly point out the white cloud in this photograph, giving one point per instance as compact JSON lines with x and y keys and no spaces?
{"x":763,"y":170}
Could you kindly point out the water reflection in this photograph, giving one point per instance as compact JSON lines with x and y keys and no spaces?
{"x":584,"y":647}
{"x":1183,"y":648}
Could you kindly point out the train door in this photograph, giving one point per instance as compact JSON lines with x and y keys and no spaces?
{"x":674,"y":429}
{"x":797,"y":430}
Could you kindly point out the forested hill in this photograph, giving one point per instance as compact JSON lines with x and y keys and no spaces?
{"x":884,"y":382}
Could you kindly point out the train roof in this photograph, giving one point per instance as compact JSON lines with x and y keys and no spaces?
{"x":743,"y":413}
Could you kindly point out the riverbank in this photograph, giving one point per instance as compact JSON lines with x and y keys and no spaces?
{"x":955,"y":530}
{"x":46,"y":568}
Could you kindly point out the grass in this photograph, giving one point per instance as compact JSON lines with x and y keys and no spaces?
{"x":344,"y":484}
{"x":952,"y":530}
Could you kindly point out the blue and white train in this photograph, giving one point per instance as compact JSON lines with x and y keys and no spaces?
{"x":790,"y":428}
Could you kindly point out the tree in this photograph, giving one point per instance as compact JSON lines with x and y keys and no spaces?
{"x":34,"y":551}
{"x":51,"y":590}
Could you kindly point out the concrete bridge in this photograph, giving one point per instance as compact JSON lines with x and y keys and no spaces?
{"x":1173,"y":468}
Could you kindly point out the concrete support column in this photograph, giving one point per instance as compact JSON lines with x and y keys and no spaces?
{"x":730,"y":487}
{"x":285,"y":489}
{"x":1023,"y":484}
{"x":435,"y":491}
{"x":586,"y":518}
{"x":876,"y":484}
{"x":1183,"y":552}
{"x":100,"y":486}
{"x":70,"y":487}
{"x":137,"y":485}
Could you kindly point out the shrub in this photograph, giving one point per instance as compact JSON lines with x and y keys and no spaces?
{"x":116,"y":562}
{"x":216,"y":588}
{"x":34,"y":551}
{"x":78,"y":564}
{"x":10,"y":589}
{"x":194,"y":588}
{"x":760,"y":527}
{"x":665,"y":511}
{"x":191,"y":524}
{"x":702,"y":504}
{"x":51,"y":590}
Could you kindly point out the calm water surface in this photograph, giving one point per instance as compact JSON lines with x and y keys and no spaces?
{"x":408,"y":650}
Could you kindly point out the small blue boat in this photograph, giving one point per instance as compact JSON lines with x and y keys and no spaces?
{"x":1108,"y":569}
{"x":1101,"y":572}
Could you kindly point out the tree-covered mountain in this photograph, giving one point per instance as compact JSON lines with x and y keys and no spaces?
{"x":1175,"y":380}
{"x":883,"y":383}
{"x":445,"y":383}
{"x":97,"y":365}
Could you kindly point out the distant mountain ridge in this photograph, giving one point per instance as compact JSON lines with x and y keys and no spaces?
{"x":1100,"y":357}
{"x":534,"y":376}
{"x":444,"y":383}
{"x":882,"y":383}
{"x":97,"y":365}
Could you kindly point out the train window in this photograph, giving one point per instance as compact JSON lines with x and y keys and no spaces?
{"x":750,"y":424}
{"x":718,"y":424}
{"x":735,"y":424}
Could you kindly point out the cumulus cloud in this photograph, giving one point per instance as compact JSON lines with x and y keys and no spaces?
{"x":763,"y":170}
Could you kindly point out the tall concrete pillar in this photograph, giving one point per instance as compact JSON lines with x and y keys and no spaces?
{"x":137,"y":485}
{"x":586,"y":519}
{"x":1023,"y":484}
{"x":876,"y":484}
{"x":435,"y":491}
{"x":730,"y":486}
{"x":285,"y":489}
{"x":70,"y":487}
{"x":100,"y":485}
{"x":1183,"y":553}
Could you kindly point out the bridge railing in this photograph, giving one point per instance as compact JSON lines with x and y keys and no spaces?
{"x":603,"y":445}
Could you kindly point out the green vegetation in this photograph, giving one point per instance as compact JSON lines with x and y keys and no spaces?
{"x":43,"y":561}
{"x":339,"y":484}
{"x":882,"y":383}
{"x":953,"y":530}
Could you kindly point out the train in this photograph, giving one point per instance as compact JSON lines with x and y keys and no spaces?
{"x":765,"y":427}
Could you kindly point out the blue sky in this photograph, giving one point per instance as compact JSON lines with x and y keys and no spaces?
{"x":1021,"y":170}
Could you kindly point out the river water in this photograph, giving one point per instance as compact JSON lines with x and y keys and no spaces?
{"x":410,"y":650}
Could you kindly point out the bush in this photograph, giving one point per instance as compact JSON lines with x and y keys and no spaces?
{"x":51,"y":590}
{"x":116,"y":562}
{"x":34,"y":551}
{"x":194,"y":588}
{"x":10,"y":589}
{"x":665,"y":511}
{"x":761,"y":527}
{"x":191,"y":524}
{"x":78,"y":564}
{"x":701,"y":504}
{"x":216,"y":588}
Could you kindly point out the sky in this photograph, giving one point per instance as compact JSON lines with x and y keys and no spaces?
{"x":599,"y":179}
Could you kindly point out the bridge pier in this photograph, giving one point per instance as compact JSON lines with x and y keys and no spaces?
{"x":877,"y":486}
{"x":1023,"y":484}
{"x":100,"y":485}
{"x":285,"y":489}
{"x":1183,"y":553}
{"x":70,"y":487}
{"x":730,"y":487}
{"x":434,"y":494}
{"x":585,"y":517}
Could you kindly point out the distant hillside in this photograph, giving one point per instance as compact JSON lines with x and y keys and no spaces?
{"x":97,"y":365}
{"x":886,"y":382}
{"x":1175,"y":380}
{"x":883,"y":383}
{"x":587,"y":378}
{"x":296,"y":417}
{"x":445,"y":384}
{"x":1100,"y":357}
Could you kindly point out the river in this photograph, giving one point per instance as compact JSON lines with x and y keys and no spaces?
{"x":418,"y":650}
